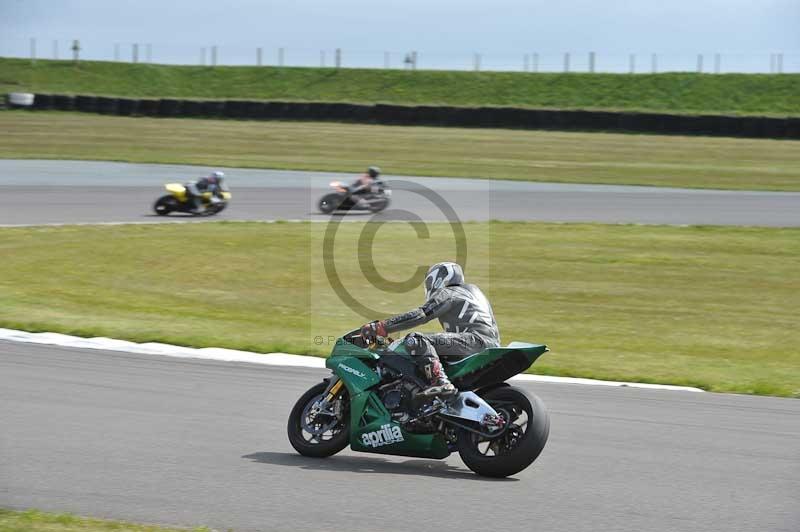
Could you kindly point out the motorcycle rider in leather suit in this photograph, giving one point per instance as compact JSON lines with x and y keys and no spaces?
{"x":362,"y":188}
{"x":214,"y":183}
{"x":465,"y":315}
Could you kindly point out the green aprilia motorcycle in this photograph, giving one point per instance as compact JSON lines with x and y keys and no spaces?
{"x":371,"y":402}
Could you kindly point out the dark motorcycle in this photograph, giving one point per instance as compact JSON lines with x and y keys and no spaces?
{"x":375,"y":199}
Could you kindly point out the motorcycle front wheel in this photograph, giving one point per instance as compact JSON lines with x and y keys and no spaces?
{"x":214,"y":208}
{"x":527,"y":426}
{"x":318,"y":433}
{"x":379,"y":205}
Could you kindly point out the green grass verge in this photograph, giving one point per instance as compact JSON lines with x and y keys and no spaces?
{"x":697,"y":162}
{"x":675,"y":92}
{"x":706,"y":306}
{"x":36,"y":521}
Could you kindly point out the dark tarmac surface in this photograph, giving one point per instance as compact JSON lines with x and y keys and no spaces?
{"x":189,"y":442}
{"x":46,"y":192}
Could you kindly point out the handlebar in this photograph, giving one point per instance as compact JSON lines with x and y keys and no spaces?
{"x":355,"y":338}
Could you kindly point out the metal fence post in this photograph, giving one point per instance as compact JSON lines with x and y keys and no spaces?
{"x":214,"y":55}
{"x":717,"y":63}
{"x":780,"y":63}
{"x":33,"y":50}
{"x":280,"y":56}
{"x":76,"y":51}
{"x":386,"y":60}
{"x":526,"y":63}
{"x":55,"y":49}
{"x":116,"y":52}
{"x":148,"y":53}
{"x":203,"y":55}
{"x":566,"y":62}
{"x":476,"y":61}
{"x":338,"y":58}
{"x":135,"y":53}
{"x":414,"y":58}
{"x":259,"y":52}
{"x":591,"y":62}
{"x":535,"y":65}
{"x":699,"y":63}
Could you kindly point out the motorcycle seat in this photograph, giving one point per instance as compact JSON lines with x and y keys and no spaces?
{"x":513,"y":346}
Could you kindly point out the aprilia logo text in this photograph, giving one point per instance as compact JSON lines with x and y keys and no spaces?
{"x":388,"y":435}
{"x":355,"y":372}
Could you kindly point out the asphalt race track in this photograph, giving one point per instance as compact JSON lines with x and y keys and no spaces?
{"x":188,"y":442}
{"x":39,"y":192}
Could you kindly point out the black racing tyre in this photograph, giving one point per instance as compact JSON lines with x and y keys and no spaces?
{"x":379,"y":205}
{"x":213,"y":208}
{"x":165,"y":205}
{"x":329,"y":203}
{"x":518,"y":445}
{"x":322,"y":435}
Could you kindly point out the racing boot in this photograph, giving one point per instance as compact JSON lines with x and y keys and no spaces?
{"x":438,"y":385}
{"x":197,"y":206}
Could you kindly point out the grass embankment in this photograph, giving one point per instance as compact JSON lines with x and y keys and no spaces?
{"x":711,"y":307}
{"x":674,"y":92}
{"x":36,"y":521}
{"x":697,"y":162}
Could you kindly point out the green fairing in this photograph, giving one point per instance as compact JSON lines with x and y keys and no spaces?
{"x":356,"y":375}
{"x":372,"y":428}
{"x":478,"y":361}
{"x":369,"y":418}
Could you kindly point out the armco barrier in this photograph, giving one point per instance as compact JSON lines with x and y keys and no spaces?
{"x":392,"y":114}
{"x":214,"y":108}
{"x":107,"y":106}
{"x":168,"y":107}
{"x":63,"y":102}
{"x":193,"y":108}
{"x":127,"y":106}
{"x":255,"y":110}
{"x":148,"y":107}
{"x":87,"y":104}
{"x":793,"y":128}
{"x":236,"y":109}
{"x":43,"y":102}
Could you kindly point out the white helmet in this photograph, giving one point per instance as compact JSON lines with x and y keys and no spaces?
{"x":441,"y":275}
{"x":218,"y":175}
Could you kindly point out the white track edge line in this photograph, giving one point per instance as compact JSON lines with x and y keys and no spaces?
{"x":273,"y":359}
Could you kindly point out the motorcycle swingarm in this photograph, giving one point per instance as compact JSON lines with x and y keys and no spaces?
{"x":470,"y":408}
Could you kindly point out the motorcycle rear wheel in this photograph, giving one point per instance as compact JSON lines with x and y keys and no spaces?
{"x":165,"y":205}
{"x":317,"y":438}
{"x":329,"y":203}
{"x":518,"y":445}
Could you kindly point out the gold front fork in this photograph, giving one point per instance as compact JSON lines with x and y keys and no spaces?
{"x":334,"y":390}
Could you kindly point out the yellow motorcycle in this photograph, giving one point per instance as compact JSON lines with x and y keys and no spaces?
{"x":178,"y":201}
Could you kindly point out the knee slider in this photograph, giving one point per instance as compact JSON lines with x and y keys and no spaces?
{"x":418,"y":346}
